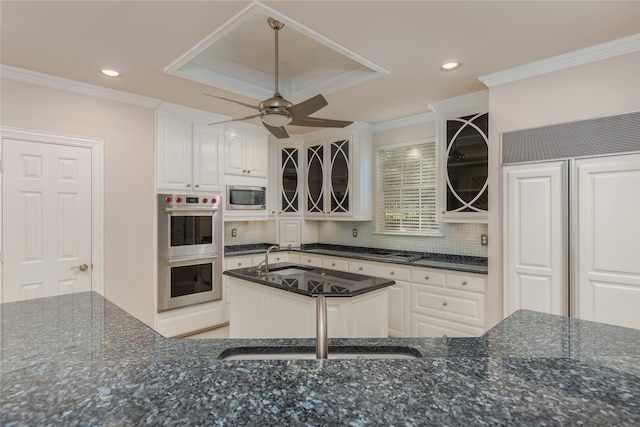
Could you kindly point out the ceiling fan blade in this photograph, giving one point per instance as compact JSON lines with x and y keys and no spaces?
{"x":308,"y":107}
{"x":237,"y":120}
{"x":318,"y":122}
{"x":278,"y":132}
{"x":255,"y":107}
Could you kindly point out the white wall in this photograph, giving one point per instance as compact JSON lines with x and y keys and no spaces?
{"x":128,"y":132}
{"x":601,"y":88}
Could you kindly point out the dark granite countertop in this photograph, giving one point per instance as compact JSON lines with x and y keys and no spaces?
{"x":311,"y":281}
{"x":462,"y":263}
{"x":80,"y":360}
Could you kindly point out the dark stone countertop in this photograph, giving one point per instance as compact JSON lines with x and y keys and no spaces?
{"x":80,"y":360}
{"x":462,"y":263}
{"x":311,"y":281}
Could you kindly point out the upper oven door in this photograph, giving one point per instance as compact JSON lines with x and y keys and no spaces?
{"x":187,"y":231}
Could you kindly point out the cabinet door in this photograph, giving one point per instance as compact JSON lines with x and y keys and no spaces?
{"x":315,"y":179}
{"x":257,"y":154}
{"x":235,"y":147}
{"x":206,"y":152}
{"x":289,"y":233}
{"x":399,"y":309}
{"x":174,"y":154}
{"x":289,"y":180}
{"x":535,"y":238}
{"x":425,"y":326}
{"x":608,"y":234}
{"x":339,"y":177}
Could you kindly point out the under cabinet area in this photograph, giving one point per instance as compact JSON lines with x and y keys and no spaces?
{"x":187,"y":150}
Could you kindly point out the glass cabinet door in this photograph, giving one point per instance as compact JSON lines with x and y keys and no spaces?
{"x":340,"y":176}
{"x":315,"y":179}
{"x":289,"y":201}
{"x":467,"y":163}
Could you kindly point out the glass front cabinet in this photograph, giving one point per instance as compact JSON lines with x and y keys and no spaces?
{"x":338,"y":175}
{"x":462,"y":135}
{"x":290,"y":188}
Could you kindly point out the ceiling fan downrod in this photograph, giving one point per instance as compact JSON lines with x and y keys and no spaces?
{"x":277,"y":26}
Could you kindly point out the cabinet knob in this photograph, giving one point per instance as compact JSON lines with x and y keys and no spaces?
{"x":426,"y":277}
{"x":443,"y":212}
{"x":248,"y":171}
{"x":197,"y":185}
{"x":188,"y":185}
{"x":359,"y":268}
{"x":245,"y":171}
{"x":391,"y":273}
{"x":464,"y":282}
{"x":445,"y":336}
{"x":277,"y":259}
{"x":239,"y":264}
{"x":444,"y":303}
{"x":333,"y":264}
{"x":308,"y":260}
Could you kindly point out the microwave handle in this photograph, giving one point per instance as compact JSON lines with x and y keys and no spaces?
{"x":176,"y":260}
{"x":182,"y":210}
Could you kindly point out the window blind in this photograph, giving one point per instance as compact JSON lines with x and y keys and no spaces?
{"x":407,"y":189}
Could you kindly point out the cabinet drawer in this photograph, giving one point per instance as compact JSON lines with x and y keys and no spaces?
{"x":312,"y":260}
{"x":335,"y":264}
{"x":238,"y":262}
{"x":453,"y":305}
{"x":427,"y":277}
{"x":387,"y":271}
{"x":466,"y":283}
{"x":425,"y":326}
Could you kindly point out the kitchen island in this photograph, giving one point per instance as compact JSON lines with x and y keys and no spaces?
{"x":280,"y":302}
{"x":80,"y":360}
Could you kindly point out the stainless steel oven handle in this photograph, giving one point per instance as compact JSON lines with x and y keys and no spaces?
{"x":197,"y":210}
{"x":176,"y":260}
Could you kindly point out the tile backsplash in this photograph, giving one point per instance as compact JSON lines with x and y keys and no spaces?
{"x":457,"y":239}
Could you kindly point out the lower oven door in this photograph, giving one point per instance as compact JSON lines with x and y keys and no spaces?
{"x":183,"y":282}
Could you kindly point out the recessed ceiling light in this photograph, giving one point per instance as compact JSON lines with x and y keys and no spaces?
{"x":450,"y":66}
{"x":110,"y":73}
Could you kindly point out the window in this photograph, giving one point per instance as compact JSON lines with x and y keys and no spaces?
{"x":407,"y":189}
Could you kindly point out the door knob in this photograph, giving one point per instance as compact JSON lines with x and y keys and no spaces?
{"x":82,"y":267}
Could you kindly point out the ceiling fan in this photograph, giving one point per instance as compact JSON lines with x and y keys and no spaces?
{"x":276,"y":112}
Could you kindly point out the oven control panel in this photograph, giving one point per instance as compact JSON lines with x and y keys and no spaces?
{"x":188,"y":200}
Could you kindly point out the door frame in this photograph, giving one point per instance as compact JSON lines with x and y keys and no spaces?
{"x":97,"y":192}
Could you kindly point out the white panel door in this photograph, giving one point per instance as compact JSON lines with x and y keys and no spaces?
{"x":174,"y":154}
{"x":46,"y":213}
{"x":206,"y":157}
{"x":608,"y":235}
{"x":535,"y":248}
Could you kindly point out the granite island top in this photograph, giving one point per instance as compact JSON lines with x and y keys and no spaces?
{"x":462,"y":263}
{"x":80,"y":360}
{"x":311,"y":281}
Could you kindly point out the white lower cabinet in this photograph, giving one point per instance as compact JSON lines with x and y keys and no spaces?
{"x":422,"y":303}
{"x":259,"y":311}
{"x":399,"y":309}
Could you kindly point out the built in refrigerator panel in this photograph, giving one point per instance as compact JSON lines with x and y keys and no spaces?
{"x":608,"y":237}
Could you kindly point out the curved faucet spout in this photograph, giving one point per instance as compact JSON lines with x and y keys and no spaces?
{"x":266,"y":257}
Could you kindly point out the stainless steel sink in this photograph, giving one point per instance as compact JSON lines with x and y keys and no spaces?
{"x":284,"y":353}
{"x":292,"y":269}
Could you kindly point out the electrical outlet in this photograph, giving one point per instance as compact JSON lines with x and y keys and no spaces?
{"x":234,"y":232}
{"x":484,"y":239}
{"x":355,"y":232}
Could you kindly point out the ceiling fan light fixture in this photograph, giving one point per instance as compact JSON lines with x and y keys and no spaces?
{"x":277,"y":118}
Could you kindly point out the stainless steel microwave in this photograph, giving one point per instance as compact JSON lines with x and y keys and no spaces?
{"x":246,"y":197}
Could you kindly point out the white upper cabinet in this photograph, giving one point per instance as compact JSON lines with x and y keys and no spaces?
{"x":338,"y":181}
{"x":462,"y":130}
{"x":246,"y":151}
{"x":187,"y":150}
{"x":289,"y":156}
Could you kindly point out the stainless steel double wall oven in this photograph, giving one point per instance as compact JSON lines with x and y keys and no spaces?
{"x":189,"y":249}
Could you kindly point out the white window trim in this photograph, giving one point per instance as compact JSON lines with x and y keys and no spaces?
{"x":379,"y":195}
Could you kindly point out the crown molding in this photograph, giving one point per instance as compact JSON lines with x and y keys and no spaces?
{"x":598,"y":52}
{"x":402,"y":122}
{"x":60,"y":83}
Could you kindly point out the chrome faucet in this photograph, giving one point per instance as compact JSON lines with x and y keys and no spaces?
{"x":266,"y":257}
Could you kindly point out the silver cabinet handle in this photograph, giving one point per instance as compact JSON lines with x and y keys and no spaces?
{"x":188,"y":185}
{"x":391,"y":273}
{"x":333,"y":264}
{"x":359,"y":268}
{"x":464,"y":282}
{"x":426,"y":277}
{"x":444,"y":303}
{"x":248,"y":171}
{"x":197,"y":185}
{"x":81,"y":267}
